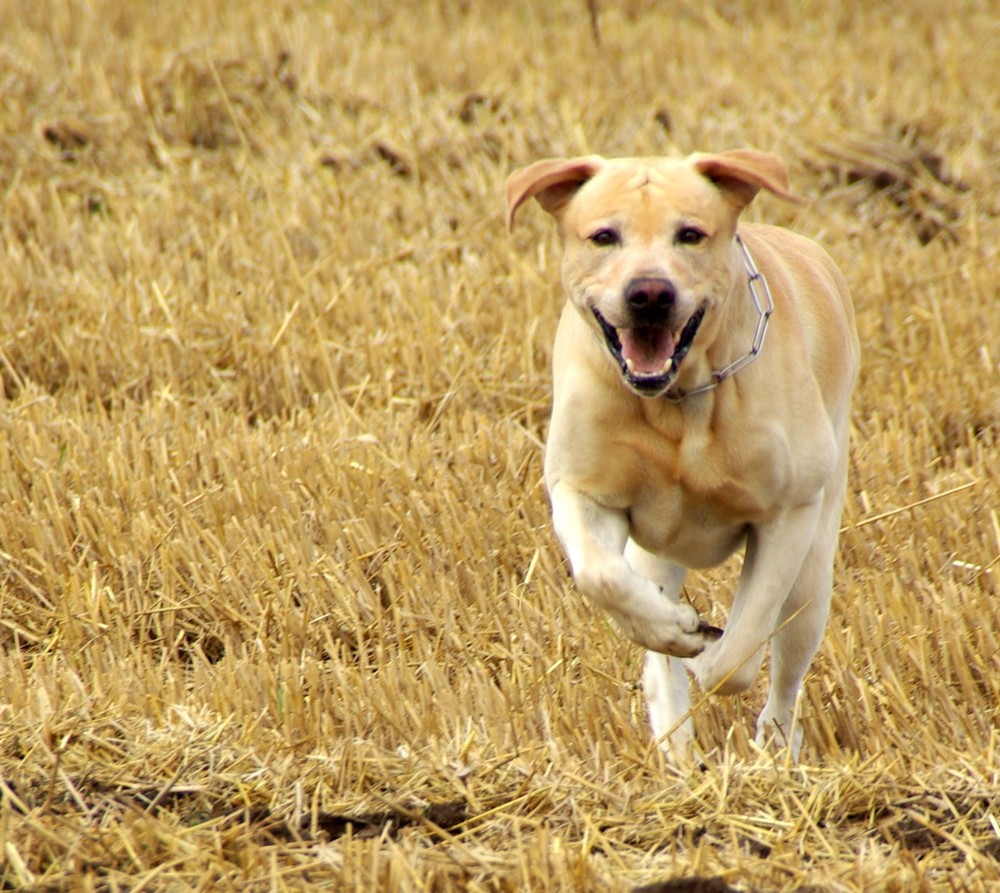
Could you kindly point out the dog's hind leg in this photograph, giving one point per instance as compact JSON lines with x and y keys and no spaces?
{"x":665,"y":683}
{"x":667,"y":690}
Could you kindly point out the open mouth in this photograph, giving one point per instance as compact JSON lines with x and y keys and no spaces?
{"x":649,"y":356}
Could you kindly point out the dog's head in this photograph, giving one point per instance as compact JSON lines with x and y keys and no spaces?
{"x":648,"y":246}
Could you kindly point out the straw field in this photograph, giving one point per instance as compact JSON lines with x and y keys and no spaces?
{"x":280,"y":605}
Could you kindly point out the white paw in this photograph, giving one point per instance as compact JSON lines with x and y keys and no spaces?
{"x":776,"y":735}
{"x":679,"y":633}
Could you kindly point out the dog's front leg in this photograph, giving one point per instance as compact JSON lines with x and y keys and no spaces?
{"x":803,"y":619}
{"x":775,"y":553}
{"x":594,"y":537}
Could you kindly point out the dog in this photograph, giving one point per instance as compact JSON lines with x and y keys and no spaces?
{"x":702,"y":378}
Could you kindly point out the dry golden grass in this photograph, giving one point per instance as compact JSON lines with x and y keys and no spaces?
{"x":280,"y":607}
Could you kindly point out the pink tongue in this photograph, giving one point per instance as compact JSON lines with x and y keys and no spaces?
{"x":647,"y":348}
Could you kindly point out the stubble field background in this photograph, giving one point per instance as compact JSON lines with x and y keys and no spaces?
{"x":280,"y":607}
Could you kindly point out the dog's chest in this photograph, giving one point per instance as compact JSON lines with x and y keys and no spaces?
{"x":691,"y":499}
{"x":693,"y":530}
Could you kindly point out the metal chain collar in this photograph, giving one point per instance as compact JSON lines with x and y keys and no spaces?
{"x":760,"y":294}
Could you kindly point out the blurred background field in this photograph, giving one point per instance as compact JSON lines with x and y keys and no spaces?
{"x":280,"y":607}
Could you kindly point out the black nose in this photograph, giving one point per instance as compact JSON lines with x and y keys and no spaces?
{"x":650,"y":294}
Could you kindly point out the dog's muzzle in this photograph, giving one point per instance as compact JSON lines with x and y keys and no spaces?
{"x":649,"y":354}
{"x":661,"y":352}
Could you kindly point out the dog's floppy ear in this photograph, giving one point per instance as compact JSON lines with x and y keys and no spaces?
{"x":552,"y":181}
{"x":741,"y":173}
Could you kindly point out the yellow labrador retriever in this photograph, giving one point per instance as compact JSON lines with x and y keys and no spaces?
{"x":702,"y":377}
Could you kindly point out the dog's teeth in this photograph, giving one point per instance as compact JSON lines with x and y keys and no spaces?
{"x":630,"y":365}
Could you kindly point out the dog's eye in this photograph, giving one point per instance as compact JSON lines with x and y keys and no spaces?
{"x":690,"y":235}
{"x":605,"y":237}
